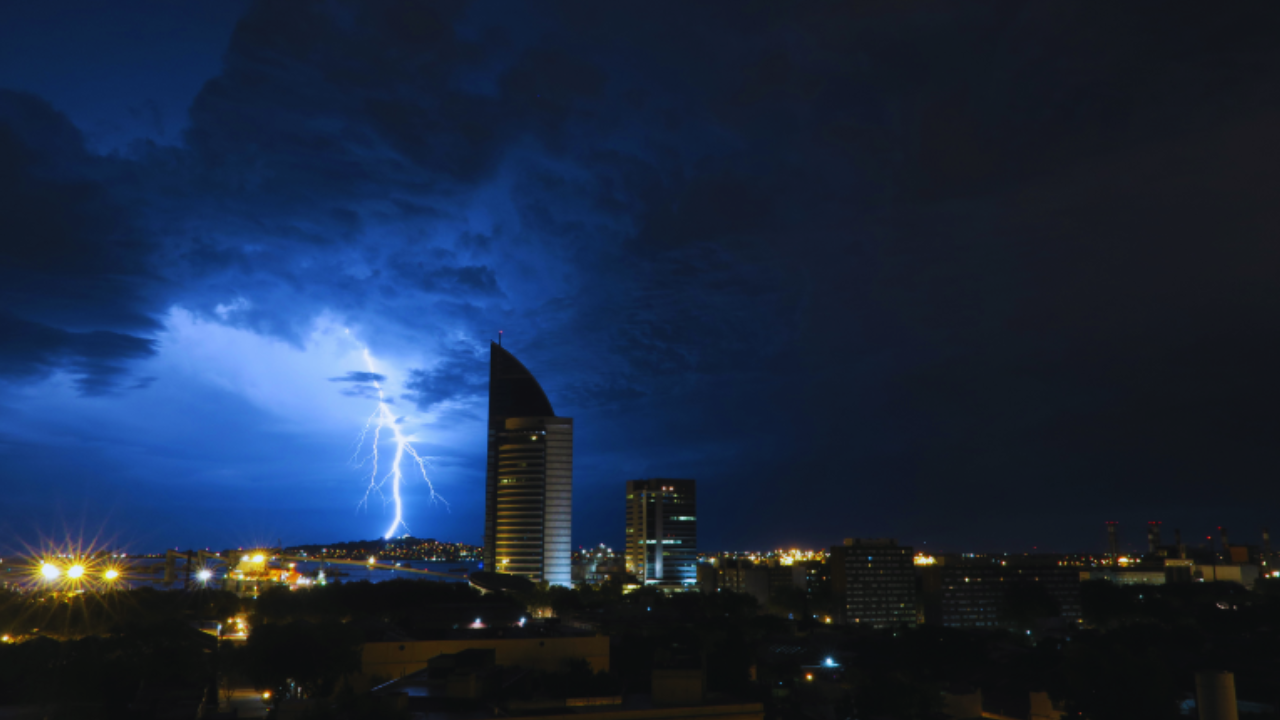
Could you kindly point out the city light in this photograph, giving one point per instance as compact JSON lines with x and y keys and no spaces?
{"x":258,"y":558}
{"x":112,"y":574}
{"x":50,"y":570}
{"x":204,"y":574}
{"x":75,"y":571}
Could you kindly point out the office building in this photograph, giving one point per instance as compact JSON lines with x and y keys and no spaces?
{"x":743,"y":576}
{"x":528,"y":477}
{"x":662,"y":532}
{"x":993,"y":592}
{"x":874,"y":583}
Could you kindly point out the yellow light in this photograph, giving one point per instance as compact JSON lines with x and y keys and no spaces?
{"x":112,"y":574}
{"x":266,"y":695}
{"x":75,"y":571}
{"x":809,"y":676}
{"x":49,"y":570}
{"x":258,"y":558}
{"x":244,"y":558}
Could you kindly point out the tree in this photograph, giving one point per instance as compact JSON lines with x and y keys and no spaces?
{"x":301,"y":658}
{"x":230,"y":669}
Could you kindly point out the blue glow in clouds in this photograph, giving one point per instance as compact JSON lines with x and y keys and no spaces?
{"x":382,"y":418}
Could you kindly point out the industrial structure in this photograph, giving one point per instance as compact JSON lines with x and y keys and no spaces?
{"x":528,"y":477}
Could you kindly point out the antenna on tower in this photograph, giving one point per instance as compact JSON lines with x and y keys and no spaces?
{"x":499,"y":338}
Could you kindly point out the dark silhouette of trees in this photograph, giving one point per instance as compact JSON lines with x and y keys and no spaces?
{"x":300,"y":658}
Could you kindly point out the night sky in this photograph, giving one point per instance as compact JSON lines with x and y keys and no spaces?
{"x":981,"y":275}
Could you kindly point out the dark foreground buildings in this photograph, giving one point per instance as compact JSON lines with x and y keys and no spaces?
{"x":528,"y":477}
{"x":662,"y":532}
{"x":988,"y":592}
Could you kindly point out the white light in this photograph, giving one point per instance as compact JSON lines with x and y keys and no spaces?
{"x":75,"y":571}
{"x":387,"y":419}
{"x":205,"y":574}
{"x":49,"y":571}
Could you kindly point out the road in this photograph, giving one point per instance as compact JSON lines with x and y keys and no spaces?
{"x":248,"y":701}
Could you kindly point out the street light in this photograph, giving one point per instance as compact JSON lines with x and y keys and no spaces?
{"x":75,"y":571}
{"x":50,"y":571}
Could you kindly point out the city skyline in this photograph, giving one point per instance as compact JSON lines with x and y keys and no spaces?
{"x":971,"y":277}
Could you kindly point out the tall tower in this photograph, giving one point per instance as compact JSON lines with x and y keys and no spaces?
{"x":528,"y":477}
{"x":662,"y":532}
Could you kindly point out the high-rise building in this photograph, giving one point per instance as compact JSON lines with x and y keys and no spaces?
{"x":528,"y":477}
{"x":662,"y":532}
{"x":874,"y":583}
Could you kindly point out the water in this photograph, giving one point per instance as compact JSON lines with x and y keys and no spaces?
{"x":355,"y":573}
{"x":149,"y":572}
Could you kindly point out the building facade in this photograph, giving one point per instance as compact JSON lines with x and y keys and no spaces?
{"x":528,"y":477}
{"x":874,"y":583}
{"x":989,"y":592}
{"x":743,"y":576}
{"x":662,"y":532}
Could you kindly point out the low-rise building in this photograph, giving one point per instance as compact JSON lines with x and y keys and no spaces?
{"x":987,"y":592}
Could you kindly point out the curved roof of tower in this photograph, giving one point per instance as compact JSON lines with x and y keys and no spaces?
{"x":513,"y":390}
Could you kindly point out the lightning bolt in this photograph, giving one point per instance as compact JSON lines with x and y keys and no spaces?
{"x":382,"y":418}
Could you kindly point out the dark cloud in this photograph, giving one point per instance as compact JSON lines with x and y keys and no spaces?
{"x":989,"y":254}
{"x":363,"y":384}
{"x":460,"y":374}
{"x":358,"y":376}
{"x":98,"y":359}
{"x":465,"y":281}
{"x":75,"y":276}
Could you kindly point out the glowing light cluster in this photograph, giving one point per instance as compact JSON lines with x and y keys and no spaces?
{"x":383,"y":419}
{"x":75,"y":573}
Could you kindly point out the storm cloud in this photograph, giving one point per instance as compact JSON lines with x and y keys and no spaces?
{"x":1013,"y":259}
